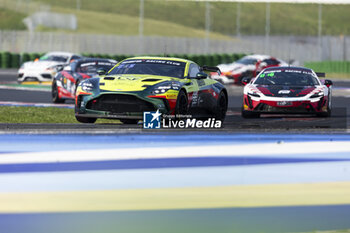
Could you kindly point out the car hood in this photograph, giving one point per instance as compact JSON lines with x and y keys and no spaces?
{"x":285,"y":91}
{"x":131,"y":82}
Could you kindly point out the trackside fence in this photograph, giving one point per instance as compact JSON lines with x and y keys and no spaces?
{"x":14,"y":60}
{"x":296,"y":48}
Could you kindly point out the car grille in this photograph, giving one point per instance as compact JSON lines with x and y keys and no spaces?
{"x":116,"y":103}
{"x":47,"y":76}
{"x":302,"y":108}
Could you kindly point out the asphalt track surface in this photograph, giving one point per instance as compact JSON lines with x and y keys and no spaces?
{"x":234,"y":122}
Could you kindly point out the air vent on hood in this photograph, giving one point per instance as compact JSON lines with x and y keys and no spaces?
{"x":151,"y":80}
{"x":108,"y":78}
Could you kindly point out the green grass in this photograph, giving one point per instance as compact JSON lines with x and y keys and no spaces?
{"x":337,"y":75}
{"x":286,"y":19}
{"x":40,"y":115}
{"x":10,"y":20}
{"x":107,"y":23}
{"x":333,"y":231}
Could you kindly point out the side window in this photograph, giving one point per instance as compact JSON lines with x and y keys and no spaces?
{"x":193,"y":71}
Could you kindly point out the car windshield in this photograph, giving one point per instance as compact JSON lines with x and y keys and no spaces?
{"x":152,"y":67}
{"x":93,"y":67}
{"x":287,"y":78}
{"x":247,"y":61}
{"x":54,"y":58}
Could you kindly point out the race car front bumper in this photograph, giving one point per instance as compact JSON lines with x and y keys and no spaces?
{"x":34,"y":76}
{"x":292,"y":106}
{"x":118,"y":106}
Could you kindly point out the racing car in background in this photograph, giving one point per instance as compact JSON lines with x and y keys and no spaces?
{"x":246,"y":67}
{"x":140,"y":84}
{"x":45,"y":68}
{"x":293,"y":90}
{"x":65,"y":82}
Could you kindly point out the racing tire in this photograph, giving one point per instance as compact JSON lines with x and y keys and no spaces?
{"x":221,"y":108}
{"x":181,"y":103}
{"x":54,"y":93}
{"x":89,"y":120}
{"x":129,"y":121}
{"x":249,"y":114}
{"x":326,"y":114}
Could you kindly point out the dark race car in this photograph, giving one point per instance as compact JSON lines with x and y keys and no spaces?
{"x":293,"y":90}
{"x":65,"y":82}
{"x":136,"y":85}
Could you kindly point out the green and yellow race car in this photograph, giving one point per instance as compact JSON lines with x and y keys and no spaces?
{"x":135,"y":85}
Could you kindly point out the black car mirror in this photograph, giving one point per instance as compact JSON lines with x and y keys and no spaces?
{"x":58,"y":68}
{"x":101,"y":72}
{"x":202,"y":75}
{"x":246,"y":80}
{"x":328,"y":82}
{"x":211,"y":69}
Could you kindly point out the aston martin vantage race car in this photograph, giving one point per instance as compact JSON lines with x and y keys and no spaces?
{"x":169,"y":85}
{"x":65,"y":82}
{"x":293,"y":90}
{"x":44,"y":69}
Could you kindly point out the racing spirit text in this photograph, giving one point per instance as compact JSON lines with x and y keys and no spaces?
{"x":191,"y":123}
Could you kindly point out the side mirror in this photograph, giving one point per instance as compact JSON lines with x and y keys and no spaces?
{"x":246,"y":80}
{"x":262,"y":64}
{"x":328,"y":82}
{"x":59,"y":68}
{"x":202,"y":75}
{"x":211,"y":69}
{"x":101,"y":72}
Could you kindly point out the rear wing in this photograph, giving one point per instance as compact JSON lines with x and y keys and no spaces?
{"x":211,"y":69}
{"x":320,"y":74}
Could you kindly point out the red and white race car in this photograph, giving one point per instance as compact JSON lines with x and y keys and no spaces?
{"x":246,"y":67}
{"x":66,"y":81}
{"x":293,"y":90}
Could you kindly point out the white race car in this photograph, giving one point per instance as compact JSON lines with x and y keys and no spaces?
{"x":45,"y":68}
{"x":246,"y":67}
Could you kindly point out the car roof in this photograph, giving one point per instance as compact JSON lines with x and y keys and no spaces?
{"x":288,"y":67}
{"x":58,"y":53}
{"x":160,"y":58}
{"x":257,"y":56}
{"x":91,"y":59}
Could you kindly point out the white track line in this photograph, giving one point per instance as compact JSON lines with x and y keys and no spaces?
{"x":262,"y":149}
{"x":25,"y":88}
{"x":14,"y":103}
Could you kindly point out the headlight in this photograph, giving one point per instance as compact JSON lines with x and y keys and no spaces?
{"x":164,"y":87}
{"x":317,"y":94}
{"x":253,"y":92}
{"x":87,"y":86}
